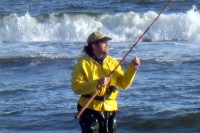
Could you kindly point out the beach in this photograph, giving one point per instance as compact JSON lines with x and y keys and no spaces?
{"x":40,"y":42}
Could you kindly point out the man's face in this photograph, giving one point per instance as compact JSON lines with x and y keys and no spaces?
{"x":101,"y":47}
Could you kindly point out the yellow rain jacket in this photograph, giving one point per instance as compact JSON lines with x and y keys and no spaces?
{"x":85,"y":78}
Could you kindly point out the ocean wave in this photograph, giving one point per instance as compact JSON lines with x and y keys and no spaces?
{"x":33,"y":60}
{"x":126,"y":26}
{"x":167,"y":62}
{"x":39,"y":56}
{"x":174,"y":122}
{"x":174,"y":61}
{"x":11,"y":91}
{"x":6,"y":113}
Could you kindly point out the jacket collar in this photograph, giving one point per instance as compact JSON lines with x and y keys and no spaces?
{"x":100,"y":61}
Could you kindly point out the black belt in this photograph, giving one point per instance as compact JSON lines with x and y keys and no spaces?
{"x":109,"y":91}
{"x":100,"y":98}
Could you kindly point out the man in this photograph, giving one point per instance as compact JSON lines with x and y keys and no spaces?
{"x":90,"y":74}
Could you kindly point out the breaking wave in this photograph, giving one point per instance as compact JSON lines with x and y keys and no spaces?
{"x":75,"y":27}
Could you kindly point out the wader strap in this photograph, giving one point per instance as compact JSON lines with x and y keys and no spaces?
{"x":109,"y":91}
{"x":100,"y":98}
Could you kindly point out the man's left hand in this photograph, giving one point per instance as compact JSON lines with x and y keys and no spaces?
{"x":136,"y":63}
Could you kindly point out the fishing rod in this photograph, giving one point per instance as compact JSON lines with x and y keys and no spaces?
{"x":78,"y":115}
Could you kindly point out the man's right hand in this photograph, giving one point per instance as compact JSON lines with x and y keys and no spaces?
{"x":104,"y":81}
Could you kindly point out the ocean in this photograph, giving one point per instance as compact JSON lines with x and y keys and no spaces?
{"x":41,"y":40}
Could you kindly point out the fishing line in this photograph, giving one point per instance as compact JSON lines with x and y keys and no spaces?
{"x":78,"y":115}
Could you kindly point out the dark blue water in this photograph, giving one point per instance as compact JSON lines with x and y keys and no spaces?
{"x":40,"y":42}
{"x":94,"y":6}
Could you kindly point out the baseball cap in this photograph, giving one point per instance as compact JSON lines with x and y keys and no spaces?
{"x":97,"y":37}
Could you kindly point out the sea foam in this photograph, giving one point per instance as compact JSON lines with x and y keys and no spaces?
{"x":75,"y":27}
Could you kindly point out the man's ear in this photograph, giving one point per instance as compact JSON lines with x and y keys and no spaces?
{"x":93,"y":46}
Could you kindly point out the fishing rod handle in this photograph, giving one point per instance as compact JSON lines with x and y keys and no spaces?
{"x":78,"y":115}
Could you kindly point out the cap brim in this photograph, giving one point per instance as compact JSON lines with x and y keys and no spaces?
{"x":108,"y":38}
{"x":104,"y":39}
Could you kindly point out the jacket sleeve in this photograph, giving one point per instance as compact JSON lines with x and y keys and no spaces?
{"x":78,"y":82}
{"x":126,"y":79}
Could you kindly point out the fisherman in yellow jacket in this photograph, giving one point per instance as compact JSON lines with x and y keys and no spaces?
{"x":92,"y":71}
